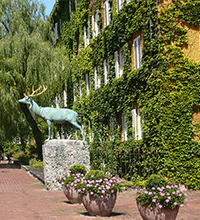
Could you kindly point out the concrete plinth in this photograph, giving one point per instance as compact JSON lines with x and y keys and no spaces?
{"x":59,"y":156}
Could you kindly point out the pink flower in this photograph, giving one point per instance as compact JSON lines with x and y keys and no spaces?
{"x":160,"y":206}
{"x":181,"y":205}
{"x":169,"y":197}
{"x":91,"y":193}
{"x":153,"y":200}
{"x":150,"y":193}
{"x":103,"y":191}
{"x":175,"y":203}
{"x":167,"y":200}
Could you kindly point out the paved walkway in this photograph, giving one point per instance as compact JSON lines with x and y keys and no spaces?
{"x":22,"y":197}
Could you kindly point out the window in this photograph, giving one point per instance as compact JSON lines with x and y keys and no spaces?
{"x":107,"y":17}
{"x":119,"y":62}
{"x":86,"y":35}
{"x":136,"y":123}
{"x":70,"y":7}
{"x":65,"y":98}
{"x":75,"y":3}
{"x":58,"y":101}
{"x":95,"y":27}
{"x":88,"y":32}
{"x":106,"y":71}
{"x":97,"y":78}
{"x":87,"y":79}
{"x":127,"y":1}
{"x":137,"y":52}
{"x":56,"y":31}
{"x":124,"y":127}
{"x":119,"y":4}
{"x":74,"y":92}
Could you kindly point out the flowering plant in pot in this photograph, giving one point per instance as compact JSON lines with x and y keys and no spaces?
{"x":162,"y":197}
{"x":99,"y":192}
{"x":68,"y":181}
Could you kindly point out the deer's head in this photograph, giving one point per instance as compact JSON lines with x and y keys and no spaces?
{"x":28,"y":97}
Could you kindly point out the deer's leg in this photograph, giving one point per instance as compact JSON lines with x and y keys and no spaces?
{"x":74,"y":129}
{"x":78,"y":126}
{"x":49,"y":129}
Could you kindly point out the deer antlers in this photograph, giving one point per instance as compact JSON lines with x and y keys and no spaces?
{"x":36,"y":92}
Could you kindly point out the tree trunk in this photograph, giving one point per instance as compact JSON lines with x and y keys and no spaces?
{"x":36,"y":132}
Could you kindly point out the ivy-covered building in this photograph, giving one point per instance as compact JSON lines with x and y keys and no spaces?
{"x":134,"y":79}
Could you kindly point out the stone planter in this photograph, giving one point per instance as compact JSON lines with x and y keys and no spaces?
{"x":99,"y":206}
{"x":156,"y":213}
{"x":72,"y":195}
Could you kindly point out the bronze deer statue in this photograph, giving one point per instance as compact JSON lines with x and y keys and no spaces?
{"x":55,"y":115}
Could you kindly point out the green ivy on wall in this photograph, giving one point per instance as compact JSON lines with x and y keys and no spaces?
{"x":166,"y":87}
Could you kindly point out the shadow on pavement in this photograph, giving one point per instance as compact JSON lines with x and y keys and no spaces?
{"x":5,"y":165}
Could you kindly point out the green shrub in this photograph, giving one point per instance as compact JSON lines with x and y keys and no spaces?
{"x":36,"y":164}
{"x":155,"y":181}
{"x":77,"y":168}
{"x":95,"y":175}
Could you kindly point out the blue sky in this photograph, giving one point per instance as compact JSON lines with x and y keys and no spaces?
{"x":49,"y":5}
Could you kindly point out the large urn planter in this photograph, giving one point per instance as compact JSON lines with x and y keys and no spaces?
{"x":72,"y":195}
{"x":156,"y":213}
{"x":102,"y":206}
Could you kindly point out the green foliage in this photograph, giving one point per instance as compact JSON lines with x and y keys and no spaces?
{"x":159,"y":192}
{"x":95,"y":175}
{"x":36,"y":164}
{"x":77,"y":168}
{"x":155,"y":181}
{"x":71,"y":175}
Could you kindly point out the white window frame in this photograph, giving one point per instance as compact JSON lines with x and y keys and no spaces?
{"x":106,"y":71}
{"x":127,"y":1}
{"x":97,"y":28}
{"x":136,"y":123}
{"x":65,"y":98}
{"x":119,"y":62}
{"x":58,"y":101}
{"x":97,"y":78}
{"x":70,"y":8}
{"x":120,"y":4}
{"x":137,"y":52}
{"x":93,"y":27}
{"x":74,"y":92}
{"x":85,"y":36}
{"x":121,"y":57}
{"x":116,"y":56}
{"x":88,"y":32}
{"x":56,"y":30}
{"x":75,"y":2}
{"x":87,"y":79}
{"x":124,"y":127}
{"x":107,"y":13}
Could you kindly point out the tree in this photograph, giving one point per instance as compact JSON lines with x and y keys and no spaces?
{"x":27,"y":58}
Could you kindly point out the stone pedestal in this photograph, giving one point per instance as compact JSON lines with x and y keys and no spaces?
{"x":59,"y":156}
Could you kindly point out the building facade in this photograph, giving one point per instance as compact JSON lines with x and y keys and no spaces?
{"x":134,"y":77}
